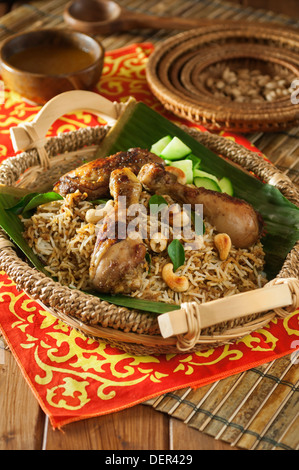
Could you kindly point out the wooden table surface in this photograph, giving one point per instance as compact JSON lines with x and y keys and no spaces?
{"x":24,"y":426}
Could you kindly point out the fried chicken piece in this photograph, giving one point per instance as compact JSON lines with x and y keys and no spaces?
{"x":117,"y":264}
{"x":93,"y":177}
{"x":227,"y":214}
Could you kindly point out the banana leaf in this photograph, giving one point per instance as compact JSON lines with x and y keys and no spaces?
{"x":141,"y":127}
{"x":13,"y":226}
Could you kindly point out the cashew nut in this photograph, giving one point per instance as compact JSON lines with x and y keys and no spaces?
{"x":93,"y":216}
{"x":223,"y":245}
{"x":158,"y":242}
{"x":175,"y":282}
{"x":181,"y":177}
{"x":178,"y":217}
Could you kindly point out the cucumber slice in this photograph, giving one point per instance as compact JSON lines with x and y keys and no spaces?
{"x":158,"y":146}
{"x":226,"y":186}
{"x":175,"y":150}
{"x":186,"y":167}
{"x":207,"y":183}
{"x":204,"y":174}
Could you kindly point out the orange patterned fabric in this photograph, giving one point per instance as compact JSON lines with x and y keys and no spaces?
{"x":74,"y":377}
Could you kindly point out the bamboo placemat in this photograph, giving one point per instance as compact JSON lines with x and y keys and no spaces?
{"x":257,"y":409}
{"x":254,"y":410}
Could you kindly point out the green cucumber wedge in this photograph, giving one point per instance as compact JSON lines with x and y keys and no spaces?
{"x":204,"y":174}
{"x":175,"y":150}
{"x":160,"y":145}
{"x":207,"y":183}
{"x":226,"y":186}
{"x":186,"y":167}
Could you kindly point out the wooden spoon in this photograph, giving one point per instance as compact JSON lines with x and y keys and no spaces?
{"x":106,"y":16}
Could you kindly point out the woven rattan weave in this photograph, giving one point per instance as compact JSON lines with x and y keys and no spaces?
{"x":177,"y":69}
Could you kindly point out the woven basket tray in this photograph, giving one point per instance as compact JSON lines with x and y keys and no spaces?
{"x":179,"y":67}
{"x":132,"y":331}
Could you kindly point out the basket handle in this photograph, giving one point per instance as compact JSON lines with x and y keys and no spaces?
{"x":27,"y":135}
{"x":191,"y":318}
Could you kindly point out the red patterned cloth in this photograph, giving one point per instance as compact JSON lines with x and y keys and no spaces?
{"x":73,"y":377}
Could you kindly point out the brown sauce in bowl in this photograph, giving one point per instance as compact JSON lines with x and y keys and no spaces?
{"x":51,"y":59}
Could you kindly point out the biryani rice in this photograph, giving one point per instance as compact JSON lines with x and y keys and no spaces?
{"x":59,"y":234}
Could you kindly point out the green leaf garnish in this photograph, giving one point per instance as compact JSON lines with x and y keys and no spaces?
{"x":97,"y":202}
{"x":19,"y":206}
{"x":33,"y":200}
{"x":156,"y":203}
{"x":40,"y":199}
{"x":176,"y":253}
{"x":148,"y":306}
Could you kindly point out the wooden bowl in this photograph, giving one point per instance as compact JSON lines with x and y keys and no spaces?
{"x":44,"y":63}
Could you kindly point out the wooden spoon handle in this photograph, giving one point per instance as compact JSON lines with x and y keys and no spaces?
{"x":139,"y":21}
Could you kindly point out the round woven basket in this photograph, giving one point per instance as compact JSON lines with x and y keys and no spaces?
{"x":133,"y":331}
{"x":178,"y":70}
